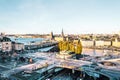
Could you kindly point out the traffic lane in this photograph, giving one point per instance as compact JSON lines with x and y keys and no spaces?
{"x":106,"y":72}
{"x":111,"y":72}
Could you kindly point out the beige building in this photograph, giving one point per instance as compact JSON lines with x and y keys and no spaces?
{"x":59,"y":38}
{"x":87,"y":43}
{"x":97,"y":43}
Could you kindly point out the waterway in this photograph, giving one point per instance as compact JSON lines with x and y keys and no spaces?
{"x":27,"y":41}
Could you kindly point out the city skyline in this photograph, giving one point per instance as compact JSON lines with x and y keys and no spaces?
{"x":73,"y":16}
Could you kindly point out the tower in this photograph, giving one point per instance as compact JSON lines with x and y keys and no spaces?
{"x":51,"y":35}
{"x":62,"y":33}
{"x":2,"y":35}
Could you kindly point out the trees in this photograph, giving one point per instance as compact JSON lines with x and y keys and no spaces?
{"x":70,"y":46}
{"x":78,"y":48}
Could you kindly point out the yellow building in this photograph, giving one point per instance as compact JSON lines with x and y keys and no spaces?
{"x":59,"y":39}
{"x":71,"y":46}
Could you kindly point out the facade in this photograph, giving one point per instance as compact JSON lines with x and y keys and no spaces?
{"x":5,"y":44}
{"x":59,"y":38}
{"x":52,"y":36}
{"x":18,"y":46}
{"x":101,"y":43}
{"x":87,"y":43}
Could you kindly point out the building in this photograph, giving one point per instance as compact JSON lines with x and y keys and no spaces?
{"x":52,"y":36}
{"x":62,"y":33}
{"x":5,"y":44}
{"x":61,"y":38}
{"x":17,"y":46}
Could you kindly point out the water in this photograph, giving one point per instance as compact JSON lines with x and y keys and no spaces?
{"x":27,"y":41}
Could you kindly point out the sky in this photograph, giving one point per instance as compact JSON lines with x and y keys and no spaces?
{"x":73,"y":16}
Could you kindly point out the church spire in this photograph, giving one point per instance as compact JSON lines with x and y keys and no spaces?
{"x":62,"y":33}
{"x":51,"y":34}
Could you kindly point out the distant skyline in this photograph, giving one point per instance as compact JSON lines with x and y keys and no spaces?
{"x":73,"y":16}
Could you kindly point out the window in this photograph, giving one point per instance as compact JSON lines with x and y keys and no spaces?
{"x":6,"y":43}
{"x":7,"y":48}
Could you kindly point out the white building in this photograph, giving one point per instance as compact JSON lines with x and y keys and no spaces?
{"x":18,"y":46}
{"x":5,"y":44}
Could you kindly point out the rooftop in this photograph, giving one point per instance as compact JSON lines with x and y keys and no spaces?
{"x":4,"y":39}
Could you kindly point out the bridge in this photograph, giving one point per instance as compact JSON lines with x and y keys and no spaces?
{"x":40,"y":45}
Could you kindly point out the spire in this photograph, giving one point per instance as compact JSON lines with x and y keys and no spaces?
{"x":62,"y":33}
{"x":51,"y":35}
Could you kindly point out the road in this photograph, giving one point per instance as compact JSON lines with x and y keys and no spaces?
{"x":49,"y":59}
{"x":63,"y":76}
{"x":96,"y":71}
